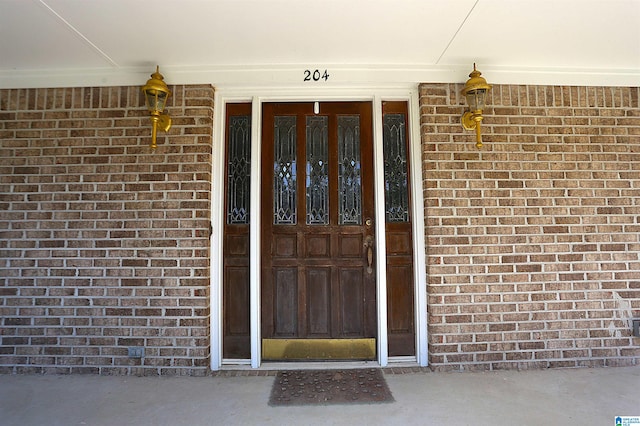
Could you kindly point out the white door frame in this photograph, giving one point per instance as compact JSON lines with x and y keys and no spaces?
{"x":257,"y":96}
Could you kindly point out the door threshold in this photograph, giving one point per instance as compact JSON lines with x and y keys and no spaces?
{"x":319,"y":365}
{"x":304,"y":365}
{"x":245,"y":364}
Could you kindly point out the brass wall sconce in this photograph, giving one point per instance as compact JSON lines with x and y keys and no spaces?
{"x":475,"y":90}
{"x":156,"y":94}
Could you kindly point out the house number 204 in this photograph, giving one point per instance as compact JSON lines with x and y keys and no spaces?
{"x":316,"y":75}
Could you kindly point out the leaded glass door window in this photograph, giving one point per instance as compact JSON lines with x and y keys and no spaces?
{"x":317,"y":171}
{"x":316,"y":179}
{"x":238,"y":169}
{"x":285,"y":210}
{"x":396,"y":183}
{"x":349,"y":169}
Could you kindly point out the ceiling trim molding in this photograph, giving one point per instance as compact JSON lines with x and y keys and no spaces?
{"x":294,"y":76}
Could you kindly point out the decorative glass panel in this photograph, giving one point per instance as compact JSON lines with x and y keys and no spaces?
{"x":349,"y":173}
{"x":238,"y":169}
{"x":284,"y":166}
{"x":317,"y":181}
{"x":396,"y":195}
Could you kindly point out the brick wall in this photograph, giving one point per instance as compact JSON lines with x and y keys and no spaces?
{"x":533,"y":242}
{"x":104,"y":245}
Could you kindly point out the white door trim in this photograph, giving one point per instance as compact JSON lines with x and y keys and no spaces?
{"x":381,"y":243}
{"x":257,"y":96}
{"x":419,"y":243}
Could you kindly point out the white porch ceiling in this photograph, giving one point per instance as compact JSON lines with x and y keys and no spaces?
{"x":49,"y":43}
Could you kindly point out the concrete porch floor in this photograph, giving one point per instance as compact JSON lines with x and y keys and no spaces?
{"x":589,"y":396}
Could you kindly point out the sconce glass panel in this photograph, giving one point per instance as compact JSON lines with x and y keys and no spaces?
{"x":156,"y":100}
{"x":476,"y":99}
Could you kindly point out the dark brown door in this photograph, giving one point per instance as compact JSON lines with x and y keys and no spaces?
{"x":317,"y":215}
{"x":236,"y":314}
{"x":399,"y":256}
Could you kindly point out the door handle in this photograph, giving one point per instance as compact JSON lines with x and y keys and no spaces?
{"x":368,"y":245}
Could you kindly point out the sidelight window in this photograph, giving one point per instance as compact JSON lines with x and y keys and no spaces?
{"x":396,"y":188}
{"x":238,"y":169}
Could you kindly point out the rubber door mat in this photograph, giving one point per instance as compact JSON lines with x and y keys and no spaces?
{"x":324,"y":387}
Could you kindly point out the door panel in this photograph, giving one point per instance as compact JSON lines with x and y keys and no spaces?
{"x":318,"y":246}
{"x":286,"y":300}
{"x":317,"y":191}
{"x":285,"y":246}
{"x":318,"y":302}
{"x":350,"y":246}
{"x":351,"y":292}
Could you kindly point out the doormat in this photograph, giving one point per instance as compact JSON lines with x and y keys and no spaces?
{"x":324,"y":387}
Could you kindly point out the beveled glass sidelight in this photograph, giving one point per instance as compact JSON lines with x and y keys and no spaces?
{"x":317,"y":168}
{"x":238,"y":170}
{"x":396,"y":190}
{"x":284,"y":171}
{"x":349,"y":171}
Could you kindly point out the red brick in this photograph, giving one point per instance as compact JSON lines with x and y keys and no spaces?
{"x":566,"y":244}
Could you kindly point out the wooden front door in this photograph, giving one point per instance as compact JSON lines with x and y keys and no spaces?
{"x":318,"y":287}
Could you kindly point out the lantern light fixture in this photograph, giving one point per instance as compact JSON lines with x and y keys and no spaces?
{"x":156,"y":94}
{"x":475,"y":90}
